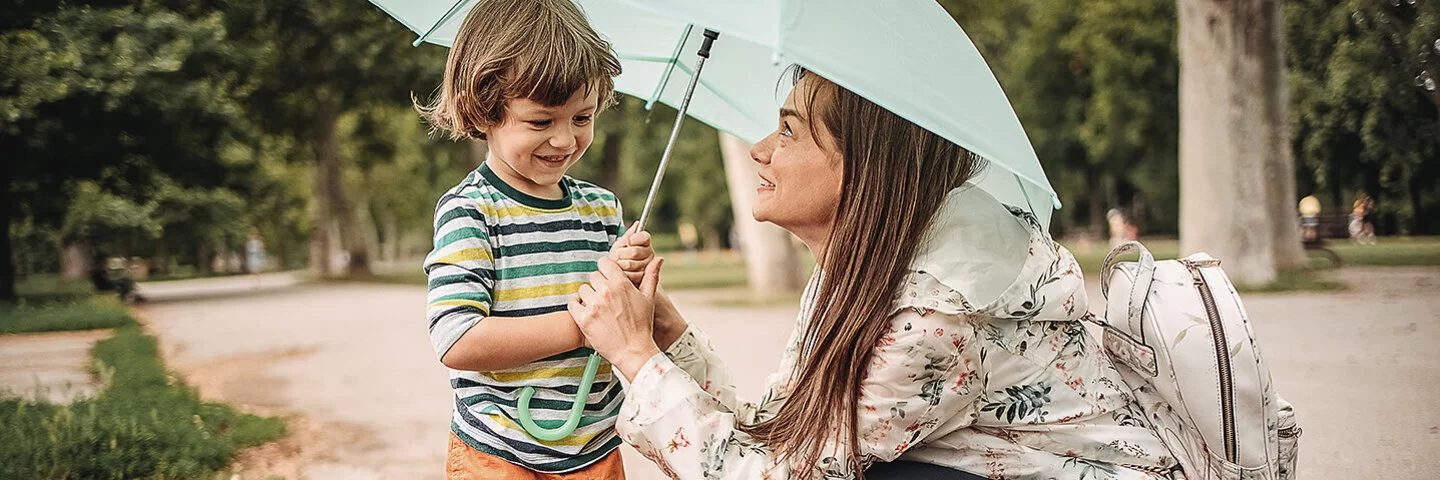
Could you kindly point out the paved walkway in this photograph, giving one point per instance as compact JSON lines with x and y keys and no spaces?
{"x":51,"y":366}
{"x":352,"y":368}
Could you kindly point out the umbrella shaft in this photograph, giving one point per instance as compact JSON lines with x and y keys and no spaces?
{"x":670,"y":146}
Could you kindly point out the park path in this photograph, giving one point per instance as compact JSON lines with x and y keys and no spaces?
{"x":352,"y":368}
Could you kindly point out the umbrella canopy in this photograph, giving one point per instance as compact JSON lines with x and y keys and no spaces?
{"x":908,"y":56}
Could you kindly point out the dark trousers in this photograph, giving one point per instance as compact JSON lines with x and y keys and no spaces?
{"x":901,"y":469}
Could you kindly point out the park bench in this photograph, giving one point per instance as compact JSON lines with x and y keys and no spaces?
{"x":1332,"y":225}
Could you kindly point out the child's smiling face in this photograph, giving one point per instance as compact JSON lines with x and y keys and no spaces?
{"x":535,"y":145}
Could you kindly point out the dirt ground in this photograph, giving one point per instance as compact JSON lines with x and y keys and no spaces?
{"x":350,"y":367}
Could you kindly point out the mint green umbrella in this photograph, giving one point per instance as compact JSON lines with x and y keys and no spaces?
{"x":908,"y":56}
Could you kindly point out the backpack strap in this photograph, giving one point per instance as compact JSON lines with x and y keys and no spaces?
{"x":1144,"y":275}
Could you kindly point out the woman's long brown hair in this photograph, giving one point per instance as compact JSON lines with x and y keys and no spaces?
{"x":896,"y":176}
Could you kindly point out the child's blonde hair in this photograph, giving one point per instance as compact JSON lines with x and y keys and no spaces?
{"x":542,"y":50}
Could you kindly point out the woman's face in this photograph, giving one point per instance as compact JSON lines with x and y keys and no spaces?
{"x":800,"y":172}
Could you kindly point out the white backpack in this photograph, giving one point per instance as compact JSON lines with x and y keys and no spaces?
{"x":1179,"y":336}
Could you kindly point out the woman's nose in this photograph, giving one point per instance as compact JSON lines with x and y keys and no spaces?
{"x":761,"y":151}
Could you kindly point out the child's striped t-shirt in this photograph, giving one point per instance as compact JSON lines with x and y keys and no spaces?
{"x":502,"y":253}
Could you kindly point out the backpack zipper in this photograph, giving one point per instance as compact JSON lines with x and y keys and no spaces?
{"x":1222,"y":356}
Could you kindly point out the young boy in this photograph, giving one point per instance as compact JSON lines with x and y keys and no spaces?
{"x":517,"y":238}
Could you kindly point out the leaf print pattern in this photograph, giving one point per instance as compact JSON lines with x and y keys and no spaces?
{"x":1010,"y":391}
{"x":1019,"y":402}
{"x":1091,"y":469}
{"x":1129,"y":417}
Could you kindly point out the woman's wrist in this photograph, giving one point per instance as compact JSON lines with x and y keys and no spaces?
{"x":669,"y":325}
{"x":630,"y":363}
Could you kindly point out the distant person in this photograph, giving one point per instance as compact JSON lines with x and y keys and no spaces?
{"x":1121,"y":228}
{"x":1310,"y":218}
{"x":1362,"y":227}
{"x":99,"y":277}
{"x":690,"y":240}
{"x":113,"y":275}
{"x":254,"y":252}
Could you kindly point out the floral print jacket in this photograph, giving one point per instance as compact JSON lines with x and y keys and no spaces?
{"x":986,"y":368}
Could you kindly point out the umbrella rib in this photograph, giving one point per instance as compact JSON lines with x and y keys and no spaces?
{"x":717,"y":94}
{"x":1023,"y":192}
{"x":453,"y":10}
{"x":673,"y":60}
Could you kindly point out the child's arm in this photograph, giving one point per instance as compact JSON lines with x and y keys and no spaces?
{"x":498,"y":343}
{"x":461,"y":275}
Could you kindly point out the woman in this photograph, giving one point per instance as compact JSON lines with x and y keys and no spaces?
{"x":940,"y":327}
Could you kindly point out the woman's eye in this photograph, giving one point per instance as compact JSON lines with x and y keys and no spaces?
{"x":539,"y":123}
{"x":785,"y":129}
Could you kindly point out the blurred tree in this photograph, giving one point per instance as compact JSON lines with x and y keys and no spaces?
{"x":398,"y":173}
{"x":100,"y":221}
{"x":327,"y":58}
{"x":114,"y":94}
{"x":202,"y":218}
{"x":1364,"y":81}
{"x":1094,"y":83}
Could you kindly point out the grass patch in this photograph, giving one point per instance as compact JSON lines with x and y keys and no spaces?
{"x":49,"y":304}
{"x":1390,"y":251}
{"x":677,"y":274}
{"x":743,"y":298}
{"x":713,"y":272}
{"x":145,"y":424}
{"x":1308,"y":280}
{"x":43,"y":288}
{"x":85,"y":313}
{"x":1092,"y":256}
{"x":1295,"y":281}
{"x":728,"y":271}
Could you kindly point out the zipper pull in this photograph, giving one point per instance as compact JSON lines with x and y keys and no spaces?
{"x":1195,"y":274}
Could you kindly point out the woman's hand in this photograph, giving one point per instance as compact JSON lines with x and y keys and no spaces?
{"x":669,"y":324}
{"x":616,"y":318}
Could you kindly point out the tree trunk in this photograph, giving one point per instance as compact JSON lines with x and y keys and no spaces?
{"x":1281,"y":200}
{"x":203,"y":259}
{"x":1418,"y":221}
{"x":1098,"y":224}
{"x":75,"y":261}
{"x":320,"y":253}
{"x":395,"y":236}
{"x":7,"y":250}
{"x":349,"y":224}
{"x":770,"y":259}
{"x":160,"y":265}
{"x":609,"y":171}
{"x":1235,"y":162}
{"x":343,"y":213}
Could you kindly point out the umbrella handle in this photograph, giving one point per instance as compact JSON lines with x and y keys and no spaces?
{"x":564,"y":430}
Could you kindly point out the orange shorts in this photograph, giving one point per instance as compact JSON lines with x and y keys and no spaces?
{"x":465,"y":463}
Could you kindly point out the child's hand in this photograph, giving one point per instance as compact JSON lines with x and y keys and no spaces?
{"x":633,"y":253}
